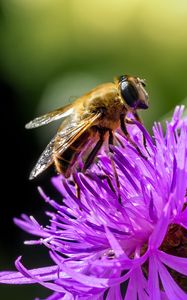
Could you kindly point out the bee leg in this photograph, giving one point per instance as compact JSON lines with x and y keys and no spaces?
{"x":111,"y":137}
{"x":110,"y":141}
{"x":77,"y":188}
{"x":130,"y":121}
{"x":137,"y":118}
{"x":116,"y":178}
{"x":102,"y":177}
{"x":95,"y":150}
{"x":78,"y":191}
{"x":127,"y":135}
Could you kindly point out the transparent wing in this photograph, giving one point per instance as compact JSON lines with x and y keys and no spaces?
{"x":51,"y":116}
{"x":66,"y":136}
{"x":45,"y":160}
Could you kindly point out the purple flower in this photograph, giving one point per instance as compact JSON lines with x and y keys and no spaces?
{"x":125,"y":236}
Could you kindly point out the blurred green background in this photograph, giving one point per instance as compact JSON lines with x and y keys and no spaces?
{"x":52,"y":51}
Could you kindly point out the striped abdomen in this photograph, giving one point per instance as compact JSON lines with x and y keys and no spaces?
{"x":69,"y":159}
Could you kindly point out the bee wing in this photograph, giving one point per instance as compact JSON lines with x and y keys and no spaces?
{"x":61,"y":141}
{"x":67,"y":135}
{"x":51,"y":116}
{"x":45,"y":160}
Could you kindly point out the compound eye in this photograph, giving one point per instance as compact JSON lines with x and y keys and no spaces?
{"x":129,"y":93}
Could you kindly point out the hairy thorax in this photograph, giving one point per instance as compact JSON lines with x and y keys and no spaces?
{"x":108,"y":102}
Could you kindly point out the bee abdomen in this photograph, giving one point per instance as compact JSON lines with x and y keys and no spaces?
{"x":69,"y":158}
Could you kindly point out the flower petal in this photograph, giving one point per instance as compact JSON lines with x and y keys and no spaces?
{"x":153,"y":280}
{"x":176,"y":263}
{"x":45,"y":274}
{"x":173,"y":291}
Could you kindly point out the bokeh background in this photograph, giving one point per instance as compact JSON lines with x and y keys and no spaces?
{"x":52,"y":51}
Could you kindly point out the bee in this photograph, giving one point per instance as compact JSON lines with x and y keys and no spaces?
{"x":88,"y":122}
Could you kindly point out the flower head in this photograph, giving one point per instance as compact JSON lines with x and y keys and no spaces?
{"x":123,"y":237}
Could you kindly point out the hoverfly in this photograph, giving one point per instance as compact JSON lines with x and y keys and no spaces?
{"x":88,"y":122}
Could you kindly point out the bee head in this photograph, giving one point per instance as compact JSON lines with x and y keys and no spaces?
{"x":133,"y":92}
